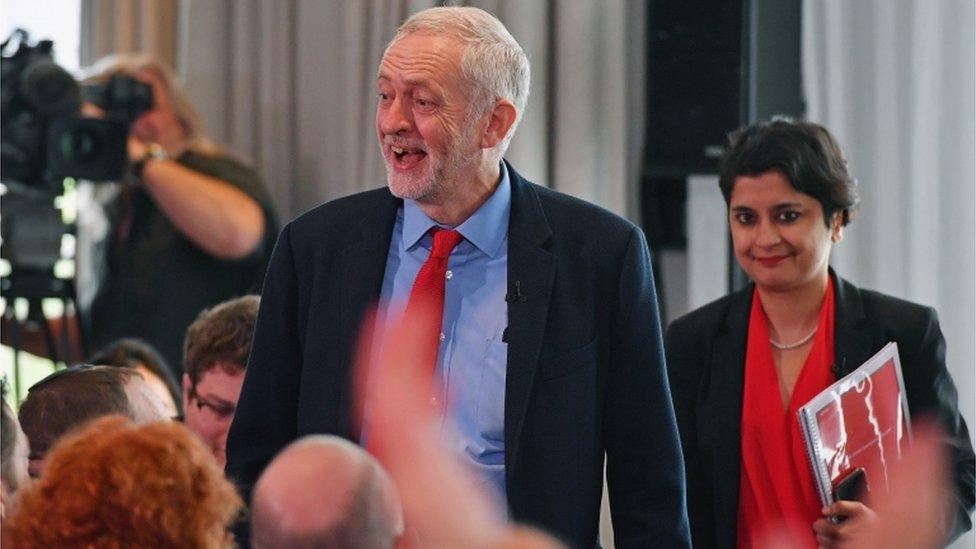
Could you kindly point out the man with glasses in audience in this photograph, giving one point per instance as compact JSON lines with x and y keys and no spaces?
{"x":214,"y":357}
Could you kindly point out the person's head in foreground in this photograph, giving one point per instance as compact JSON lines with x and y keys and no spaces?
{"x":452,"y":86}
{"x":69,"y":398}
{"x":13,"y":454}
{"x":117,"y":484}
{"x":789,"y":197}
{"x":324,"y":491}
{"x":137,"y":354}
{"x":215,"y":356}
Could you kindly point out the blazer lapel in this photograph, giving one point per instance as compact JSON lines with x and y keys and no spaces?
{"x":854,"y":339}
{"x":724,"y":413}
{"x":531,"y":272}
{"x":358,"y":287}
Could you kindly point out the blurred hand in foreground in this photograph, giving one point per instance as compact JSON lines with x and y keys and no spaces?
{"x":911,"y":516}
{"x":441,"y":502}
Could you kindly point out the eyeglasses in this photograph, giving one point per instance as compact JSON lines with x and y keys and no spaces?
{"x":220,"y":409}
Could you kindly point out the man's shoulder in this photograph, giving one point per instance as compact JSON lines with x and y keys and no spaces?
{"x":343,"y":213}
{"x":562,"y":206}
{"x":573,"y":221}
{"x":342,"y":223}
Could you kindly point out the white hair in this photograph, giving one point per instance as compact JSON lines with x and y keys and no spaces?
{"x":493,"y":62}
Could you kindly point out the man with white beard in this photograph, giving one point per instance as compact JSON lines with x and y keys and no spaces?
{"x":544,"y":351}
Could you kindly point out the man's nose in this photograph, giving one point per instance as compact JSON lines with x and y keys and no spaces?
{"x":396,"y":118}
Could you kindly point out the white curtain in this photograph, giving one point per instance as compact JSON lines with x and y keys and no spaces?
{"x":290,"y":85}
{"x":127,"y":26}
{"x":894,"y":80}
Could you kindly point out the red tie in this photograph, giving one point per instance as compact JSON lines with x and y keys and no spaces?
{"x":427,"y":295}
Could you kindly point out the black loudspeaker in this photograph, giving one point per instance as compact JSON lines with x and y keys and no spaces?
{"x":713,"y":65}
{"x":693,"y":83}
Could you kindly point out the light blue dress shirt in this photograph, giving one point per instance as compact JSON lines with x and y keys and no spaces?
{"x":472,"y":358}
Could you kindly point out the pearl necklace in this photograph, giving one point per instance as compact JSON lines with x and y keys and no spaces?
{"x":788,"y":346}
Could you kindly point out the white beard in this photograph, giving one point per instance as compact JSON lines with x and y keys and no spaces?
{"x":442,"y":173}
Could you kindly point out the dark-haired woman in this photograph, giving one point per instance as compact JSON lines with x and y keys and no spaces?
{"x":134,"y":353}
{"x":741,"y":366}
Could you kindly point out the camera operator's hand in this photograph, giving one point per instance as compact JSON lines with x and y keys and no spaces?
{"x":138,"y":149}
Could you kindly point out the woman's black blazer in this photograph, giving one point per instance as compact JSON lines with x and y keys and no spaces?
{"x":706,"y":355}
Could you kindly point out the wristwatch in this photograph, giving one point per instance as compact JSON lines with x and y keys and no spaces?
{"x":154,"y":151}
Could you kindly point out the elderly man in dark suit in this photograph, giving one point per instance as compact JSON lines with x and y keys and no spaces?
{"x":549,"y":350}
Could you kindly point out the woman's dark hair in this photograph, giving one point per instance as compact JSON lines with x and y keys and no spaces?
{"x":131,"y":353}
{"x":804,"y":152}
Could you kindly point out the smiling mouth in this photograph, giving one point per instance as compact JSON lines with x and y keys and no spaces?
{"x":769,"y":261}
{"x":407,"y":157}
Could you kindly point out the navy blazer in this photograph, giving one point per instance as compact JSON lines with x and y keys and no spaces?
{"x":585,"y":374}
{"x":706,"y":352}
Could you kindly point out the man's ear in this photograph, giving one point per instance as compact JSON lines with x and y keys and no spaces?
{"x":186,"y":392}
{"x":500,"y":121}
{"x":3,"y":498}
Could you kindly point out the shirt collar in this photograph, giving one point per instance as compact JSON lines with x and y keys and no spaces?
{"x":485,"y":229}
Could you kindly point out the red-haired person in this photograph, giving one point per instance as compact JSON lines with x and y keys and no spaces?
{"x":114,"y":483}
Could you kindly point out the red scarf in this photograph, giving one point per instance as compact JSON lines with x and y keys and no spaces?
{"x":777,"y":494}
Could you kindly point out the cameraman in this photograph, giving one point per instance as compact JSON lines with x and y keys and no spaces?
{"x":191,"y":228}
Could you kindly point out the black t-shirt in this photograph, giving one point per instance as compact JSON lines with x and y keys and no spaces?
{"x":158,"y":281}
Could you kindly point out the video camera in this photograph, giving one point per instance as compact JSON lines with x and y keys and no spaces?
{"x":44,"y":138}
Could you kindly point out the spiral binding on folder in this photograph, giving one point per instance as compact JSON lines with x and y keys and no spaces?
{"x":860,"y":421}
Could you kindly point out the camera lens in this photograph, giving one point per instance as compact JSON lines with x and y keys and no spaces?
{"x":88,"y":148}
{"x":80,"y":145}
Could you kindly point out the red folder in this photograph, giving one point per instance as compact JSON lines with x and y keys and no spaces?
{"x":860,"y":422}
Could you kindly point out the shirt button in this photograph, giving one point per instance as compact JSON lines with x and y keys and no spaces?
{"x":441,"y":336}
{"x":448,"y":275}
{"x":433,"y":402}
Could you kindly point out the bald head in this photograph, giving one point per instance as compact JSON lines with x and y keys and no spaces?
{"x":145,"y":404}
{"x":323,"y":491}
{"x":71,"y":397}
